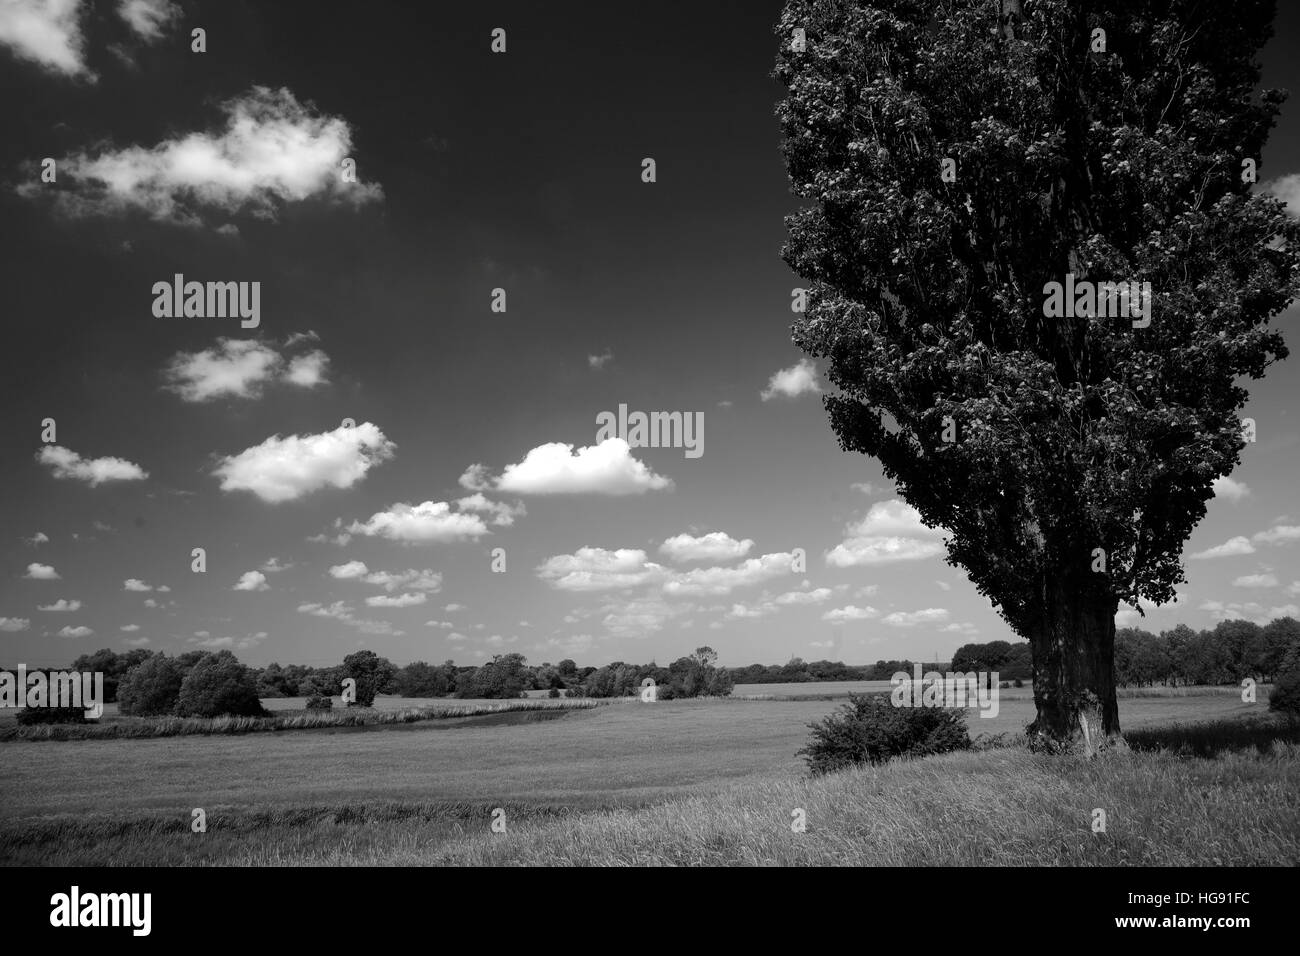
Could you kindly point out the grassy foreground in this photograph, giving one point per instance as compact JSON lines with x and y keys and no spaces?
{"x":1206,"y":782}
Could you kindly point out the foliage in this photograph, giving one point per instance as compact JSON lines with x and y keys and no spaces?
{"x":218,"y":685}
{"x":1038,"y":442}
{"x":151,"y":687}
{"x":869,"y":729}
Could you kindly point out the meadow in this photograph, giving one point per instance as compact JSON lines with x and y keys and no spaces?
{"x":694,"y":781}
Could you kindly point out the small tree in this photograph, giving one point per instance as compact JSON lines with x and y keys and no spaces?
{"x":373,"y":674}
{"x":217,"y":685}
{"x":151,"y":688}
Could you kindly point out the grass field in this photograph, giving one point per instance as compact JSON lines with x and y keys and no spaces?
{"x":670,"y":782}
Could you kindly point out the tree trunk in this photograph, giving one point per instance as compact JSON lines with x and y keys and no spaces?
{"x":1074,"y":669}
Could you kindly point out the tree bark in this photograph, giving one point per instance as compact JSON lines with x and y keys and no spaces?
{"x":1074,"y":669}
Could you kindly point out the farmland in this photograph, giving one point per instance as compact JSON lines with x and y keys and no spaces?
{"x":424,"y":792}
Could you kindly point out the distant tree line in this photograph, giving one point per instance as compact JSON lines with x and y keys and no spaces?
{"x":204,"y":683}
{"x":1231,"y":651}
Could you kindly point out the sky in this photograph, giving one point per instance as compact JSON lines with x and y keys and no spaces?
{"x":382,"y":456}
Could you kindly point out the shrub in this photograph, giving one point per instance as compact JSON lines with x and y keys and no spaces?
{"x":553,"y":692}
{"x":219,"y":685}
{"x":1285,"y":696}
{"x":319,"y":702}
{"x":51,"y":715}
{"x":869,"y":729}
{"x":151,"y":687}
{"x":1019,"y":682}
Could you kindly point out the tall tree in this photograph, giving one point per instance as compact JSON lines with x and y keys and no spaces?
{"x":960,"y":156}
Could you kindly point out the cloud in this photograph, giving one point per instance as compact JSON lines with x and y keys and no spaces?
{"x":409,"y":599}
{"x":349,"y":571}
{"x":850,"y":613}
{"x":1250,"y":611}
{"x":129,"y":628}
{"x":749,"y":612}
{"x":341,"y":611}
{"x":931,"y":615}
{"x":60,"y":605}
{"x":308,"y":371}
{"x":1278,"y":534}
{"x":798,"y":379}
{"x":1234,"y":491}
{"x":39,"y":537}
{"x":252,"y":581}
{"x":816,"y":596}
{"x":273,"y":566}
{"x":95,"y":471}
{"x":639,"y":618}
{"x":452,"y":608}
{"x":598,"y":569}
{"x":1229,"y":548}
{"x":1255,"y":581}
{"x":426,"y":580}
{"x":282,"y":469}
{"x":14,"y":624}
{"x":503,"y":515}
{"x":135,"y":584}
{"x":80,"y":631}
{"x":426,"y":523}
{"x":558,"y":469}
{"x":148,"y":17}
{"x":46,"y":32}
{"x":272,"y":151}
{"x":1287,"y":188}
{"x":723,"y":580}
{"x":443,"y":624}
{"x":234,"y":367}
{"x":41,"y":572}
{"x":240,"y":368}
{"x":150,"y":602}
{"x":891,"y":531}
{"x":599,"y":361}
{"x":715,"y":546}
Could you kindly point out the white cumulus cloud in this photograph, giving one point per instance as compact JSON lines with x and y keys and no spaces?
{"x":426,"y":523}
{"x":891,"y":531}
{"x":798,"y":379}
{"x":282,"y":469}
{"x":714,"y":546}
{"x":66,"y":463}
{"x":252,"y":581}
{"x":271,"y":151}
{"x":559,"y":469}
{"x":47,"y":32}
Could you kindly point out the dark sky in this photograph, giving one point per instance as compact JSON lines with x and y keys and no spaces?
{"x":477,"y":170}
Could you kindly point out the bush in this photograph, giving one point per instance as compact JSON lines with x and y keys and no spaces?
{"x":1285,"y":696}
{"x":219,"y":685}
{"x":319,"y":702}
{"x":870,"y":729}
{"x":51,"y":715}
{"x":1019,"y":682}
{"x":553,"y":692}
{"x":150,"y":688}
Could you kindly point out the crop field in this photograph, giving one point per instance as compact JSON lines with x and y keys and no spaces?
{"x":424,"y":792}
